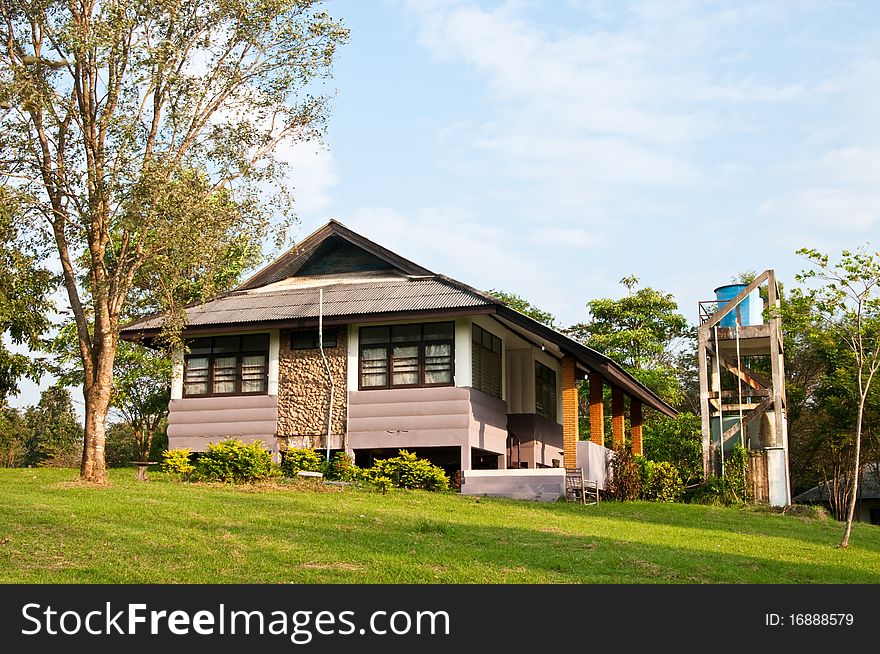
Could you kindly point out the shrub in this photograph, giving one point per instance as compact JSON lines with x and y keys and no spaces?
{"x":736,"y":465}
{"x":342,"y":468}
{"x":301,"y":458}
{"x":177,"y":462}
{"x":232,"y":461}
{"x":407,"y":471}
{"x":623,"y":481}
{"x":715,"y":491}
{"x":678,"y":441}
{"x":660,"y":481}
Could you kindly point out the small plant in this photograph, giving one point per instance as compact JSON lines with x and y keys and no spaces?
{"x":299,"y":459}
{"x":736,"y":465}
{"x":407,"y":471}
{"x":342,"y":468}
{"x":661,"y":481}
{"x":177,"y":462}
{"x":624,"y":481}
{"x":232,"y":461}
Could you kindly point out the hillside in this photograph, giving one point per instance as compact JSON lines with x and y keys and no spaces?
{"x":164,"y":531}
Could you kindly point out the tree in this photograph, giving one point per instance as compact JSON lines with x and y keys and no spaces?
{"x":25,"y":287}
{"x":642,"y":331}
{"x":54,"y":428}
{"x":141,"y":385}
{"x":141,"y":139}
{"x":522,"y":305}
{"x":847,"y":304}
{"x":14,"y":436}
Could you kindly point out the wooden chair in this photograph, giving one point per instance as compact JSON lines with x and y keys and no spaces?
{"x":578,"y":489}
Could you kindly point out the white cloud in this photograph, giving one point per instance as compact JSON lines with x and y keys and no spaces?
{"x":838,"y":190}
{"x":312,"y":177}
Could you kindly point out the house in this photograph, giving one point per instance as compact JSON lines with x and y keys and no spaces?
{"x":867,"y":503}
{"x":417,"y":361}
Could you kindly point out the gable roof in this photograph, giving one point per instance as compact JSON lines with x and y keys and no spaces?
{"x":363,"y":281}
{"x":329,"y":239}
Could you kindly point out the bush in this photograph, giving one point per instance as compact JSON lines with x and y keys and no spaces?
{"x":177,"y":462}
{"x":296,"y":459}
{"x":731,"y":489}
{"x":678,"y":441}
{"x":407,"y":471}
{"x":660,"y":481}
{"x":342,"y":468}
{"x":232,"y":461}
{"x":623,"y":481}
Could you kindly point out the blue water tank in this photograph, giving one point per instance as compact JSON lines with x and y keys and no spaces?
{"x":751,"y":309}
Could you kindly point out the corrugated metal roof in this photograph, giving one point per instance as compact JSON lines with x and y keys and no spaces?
{"x":869,"y":487}
{"x":382,"y":294}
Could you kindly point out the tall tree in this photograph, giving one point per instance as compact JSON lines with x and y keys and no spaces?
{"x":54,"y":428}
{"x":847,"y":304}
{"x":141,"y":137}
{"x":644,"y":332}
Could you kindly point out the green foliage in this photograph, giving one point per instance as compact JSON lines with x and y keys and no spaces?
{"x":25,"y":288}
{"x":522,"y":305}
{"x":15,"y":433}
{"x":342,"y":468}
{"x":624,"y":479}
{"x":298,"y":459}
{"x":642,"y":331}
{"x":55,"y":433}
{"x":407,"y":471}
{"x":677,"y":441}
{"x":729,"y":490}
{"x":232,"y":461}
{"x":660,"y":481}
{"x":736,"y":467}
{"x":178,"y":462}
{"x":845,"y":305}
{"x":121,"y":446}
{"x":181,"y":144}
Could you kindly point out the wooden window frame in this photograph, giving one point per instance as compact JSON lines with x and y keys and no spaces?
{"x":539,"y":383}
{"x":239,"y":356}
{"x":314,"y":334}
{"x":479,"y":344}
{"x":389,"y":357}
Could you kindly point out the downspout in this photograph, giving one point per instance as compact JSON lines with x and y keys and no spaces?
{"x":326,"y":367}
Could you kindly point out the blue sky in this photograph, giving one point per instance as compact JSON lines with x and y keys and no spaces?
{"x":552,"y":148}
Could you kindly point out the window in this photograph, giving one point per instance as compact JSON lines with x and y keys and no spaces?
{"x":487,"y":362}
{"x":307,"y":339}
{"x":545,"y":391}
{"x":407,"y":356}
{"x":226,"y":365}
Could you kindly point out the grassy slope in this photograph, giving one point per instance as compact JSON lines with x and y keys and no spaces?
{"x":164,"y":531}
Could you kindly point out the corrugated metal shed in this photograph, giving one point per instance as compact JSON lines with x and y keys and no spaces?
{"x":385,"y":293}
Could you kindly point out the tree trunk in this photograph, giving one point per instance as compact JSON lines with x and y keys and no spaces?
{"x":94,"y":466}
{"x":97,"y":399}
{"x":855,"y":485}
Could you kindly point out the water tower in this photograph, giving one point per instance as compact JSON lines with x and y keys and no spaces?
{"x":742,"y":385}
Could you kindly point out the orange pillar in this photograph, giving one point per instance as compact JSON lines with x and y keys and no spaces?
{"x":635,"y":422}
{"x":569,"y":413}
{"x":617,"y":420}
{"x":597,"y":410}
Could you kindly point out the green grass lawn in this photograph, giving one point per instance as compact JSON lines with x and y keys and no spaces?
{"x":52,"y":529}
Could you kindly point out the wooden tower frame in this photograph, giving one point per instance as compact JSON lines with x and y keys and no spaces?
{"x":723,"y":349}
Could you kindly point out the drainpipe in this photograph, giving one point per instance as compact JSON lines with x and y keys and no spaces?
{"x":326,"y":367}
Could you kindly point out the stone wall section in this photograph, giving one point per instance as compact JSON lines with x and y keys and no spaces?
{"x":303,"y":393}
